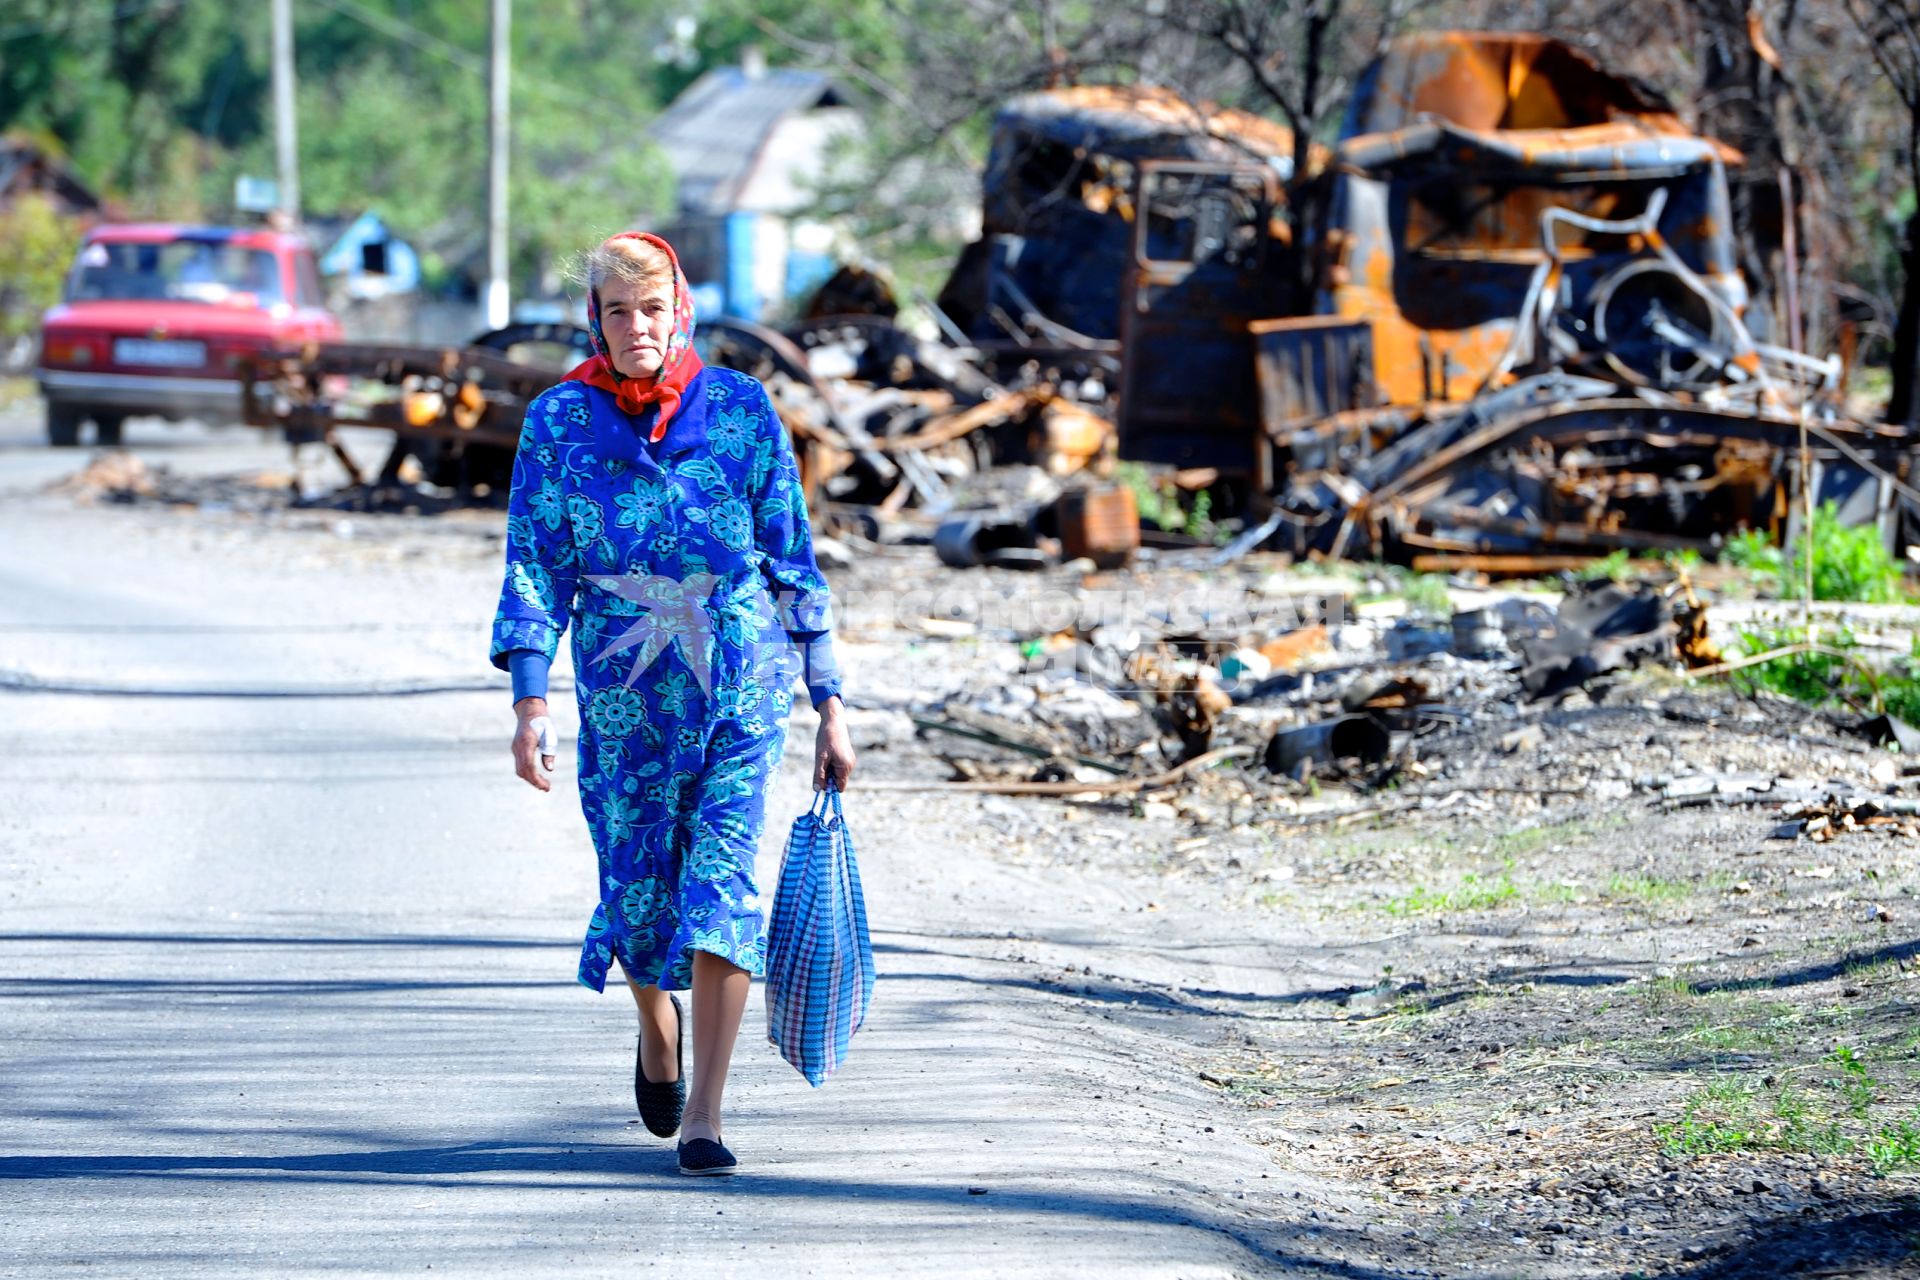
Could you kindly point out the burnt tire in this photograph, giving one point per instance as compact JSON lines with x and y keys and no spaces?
{"x":63,"y":425}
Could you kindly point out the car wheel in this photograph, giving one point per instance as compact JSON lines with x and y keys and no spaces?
{"x":106,"y":427}
{"x":63,"y":425}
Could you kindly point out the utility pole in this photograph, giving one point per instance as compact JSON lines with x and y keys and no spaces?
{"x":498,"y":302}
{"x":285,"y":129}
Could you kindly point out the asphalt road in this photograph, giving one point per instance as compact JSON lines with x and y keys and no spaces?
{"x":286,"y":965}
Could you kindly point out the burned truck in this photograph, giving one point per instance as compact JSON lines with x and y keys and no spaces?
{"x":1058,"y":199}
{"x":1525,"y":328}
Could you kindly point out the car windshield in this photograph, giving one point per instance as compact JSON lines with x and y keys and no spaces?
{"x":176,"y":270}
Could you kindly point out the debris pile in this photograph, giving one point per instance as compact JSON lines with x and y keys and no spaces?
{"x":1326,"y":700}
{"x":1332,"y":698}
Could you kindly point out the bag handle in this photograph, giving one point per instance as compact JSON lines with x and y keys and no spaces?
{"x":832,"y":793}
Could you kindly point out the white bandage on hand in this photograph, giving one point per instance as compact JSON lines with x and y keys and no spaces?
{"x":547,"y":740}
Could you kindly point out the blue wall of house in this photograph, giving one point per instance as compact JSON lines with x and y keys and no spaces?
{"x":742,"y":298}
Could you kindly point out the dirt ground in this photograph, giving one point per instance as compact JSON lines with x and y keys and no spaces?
{"x":1527,"y":1008}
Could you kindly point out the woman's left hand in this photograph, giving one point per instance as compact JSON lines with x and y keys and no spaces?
{"x":832,"y":747}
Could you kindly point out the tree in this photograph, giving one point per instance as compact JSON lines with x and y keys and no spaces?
{"x":1286,"y":50}
{"x":37,"y":243}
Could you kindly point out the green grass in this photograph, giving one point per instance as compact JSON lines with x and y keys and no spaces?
{"x":1732,"y":1037}
{"x":1471,"y":894}
{"x":1614,"y":565}
{"x":1509,"y":845}
{"x":1729,"y":1114}
{"x":1870,"y":970}
{"x":1752,"y":549}
{"x":1831,"y":679}
{"x":1670,"y":990}
{"x":1425,"y":593}
{"x":1895,"y":1147}
{"x":1736,"y":1022}
{"x":1647,"y":888}
{"x":1849,"y":562}
{"x":1853,"y":1083}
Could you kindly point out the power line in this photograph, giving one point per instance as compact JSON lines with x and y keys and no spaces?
{"x":427,"y":42}
{"x":407,"y":33}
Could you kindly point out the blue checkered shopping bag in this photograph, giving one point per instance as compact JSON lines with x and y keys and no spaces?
{"x":819,"y":958}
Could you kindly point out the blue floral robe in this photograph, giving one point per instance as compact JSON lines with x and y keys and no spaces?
{"x":682,"y":567}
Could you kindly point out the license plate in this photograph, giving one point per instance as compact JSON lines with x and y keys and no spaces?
{"x":159,"y":353}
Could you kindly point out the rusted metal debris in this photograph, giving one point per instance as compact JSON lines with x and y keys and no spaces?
{"x":881,"y":419}
{"x":455,"y":411}
{"x":1600,"y":628}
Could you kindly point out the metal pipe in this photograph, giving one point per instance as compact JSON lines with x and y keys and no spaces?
{"x":286,"y":135}
{"x":499,"y":135}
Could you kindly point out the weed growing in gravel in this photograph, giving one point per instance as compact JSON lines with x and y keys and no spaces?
{"x":1853,"y":1082}
{"x":1865,"y":969}
{"x":1670,"y":990}
{"x":1647,"y":888}
{"x":1614,"y":565}
{"x":1731,"y":1115}
{"x":1425,"y":593}
{"x":1509,"y":845}
{"x":1471,"y":894}
{"x":1731,"y":1037}
{"x":1895,"y":1147}
{"x":1733,"y":1024}
{"x":1849,"y":563}
{"x":1829,"y":678}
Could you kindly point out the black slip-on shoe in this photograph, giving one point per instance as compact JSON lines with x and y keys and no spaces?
{"x":660,"y":1104}
{"x":703,"y":1157}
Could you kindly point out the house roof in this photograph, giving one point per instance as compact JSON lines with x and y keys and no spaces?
{"x":1146,"y":122}
{"x":712,"y":133}
{"x":25,"y":167}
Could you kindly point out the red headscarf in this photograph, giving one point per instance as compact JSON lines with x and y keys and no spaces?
{"x":677,"y":368}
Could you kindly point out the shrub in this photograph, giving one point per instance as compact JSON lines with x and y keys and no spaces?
{"x":1849,"y":563}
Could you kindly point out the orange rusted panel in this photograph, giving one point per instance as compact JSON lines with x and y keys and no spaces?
{"x":1457,"y":145}
{"x":1499,"y":81}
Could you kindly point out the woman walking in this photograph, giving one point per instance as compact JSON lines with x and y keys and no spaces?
{"x":656,"y":508}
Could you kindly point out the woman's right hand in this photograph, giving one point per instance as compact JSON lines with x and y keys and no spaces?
{"x":534,"y":742}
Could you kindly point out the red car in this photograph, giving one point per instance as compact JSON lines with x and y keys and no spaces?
{"x":156,"y":318}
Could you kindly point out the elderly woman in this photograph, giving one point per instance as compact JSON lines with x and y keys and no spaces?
{"x":656,"y":507}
